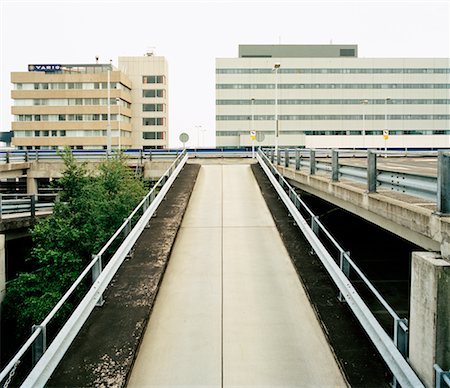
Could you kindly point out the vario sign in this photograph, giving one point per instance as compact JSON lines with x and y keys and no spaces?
{"x":47,"y":68}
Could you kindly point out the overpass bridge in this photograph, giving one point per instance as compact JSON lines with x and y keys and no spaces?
{"x":231,"y":309}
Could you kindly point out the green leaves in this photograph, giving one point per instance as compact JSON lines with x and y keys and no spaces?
{"x":91,"y":207}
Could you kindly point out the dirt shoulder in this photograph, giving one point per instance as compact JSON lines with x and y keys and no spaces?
{"x":103,"y":352}
{"x":357,"y":357}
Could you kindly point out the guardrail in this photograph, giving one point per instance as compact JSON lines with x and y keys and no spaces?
{"x":442,"y":377}
{"x":433,"y":188}
{"x":45,"y":358}
{"x":21,"y":156}
{"x":393,"y":350}
{"x":25,"y":203}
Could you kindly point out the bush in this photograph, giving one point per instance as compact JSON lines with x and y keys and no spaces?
{"x":91,"y":206}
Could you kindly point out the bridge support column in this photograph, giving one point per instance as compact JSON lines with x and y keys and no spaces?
{"x":429,"y":329}
{"x":32,"y":186}
{"x":2,"y":268}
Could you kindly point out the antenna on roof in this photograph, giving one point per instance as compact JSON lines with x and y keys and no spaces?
{"x":150,"y":51}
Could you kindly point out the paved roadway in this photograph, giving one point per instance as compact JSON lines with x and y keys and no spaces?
{"x":231,"y":310}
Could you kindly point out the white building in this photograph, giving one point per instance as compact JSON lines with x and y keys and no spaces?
{"x":328,"y":97}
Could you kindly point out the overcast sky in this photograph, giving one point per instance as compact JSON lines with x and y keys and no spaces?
{"x":191,"y":34}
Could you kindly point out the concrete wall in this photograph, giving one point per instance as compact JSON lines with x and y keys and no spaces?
{"x":429,"y":327}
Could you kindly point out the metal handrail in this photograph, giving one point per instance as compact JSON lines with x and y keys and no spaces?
{"x":148,"y":204}
{"x":418,"y":185}
{"x":402,"y":371}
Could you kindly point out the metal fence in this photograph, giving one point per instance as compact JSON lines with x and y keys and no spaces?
{"x":21,"y":156}
{"x":102,"y":268}
{"x":326,"y":162}
{"x":25,"y":204}
{"x":394,"y":348}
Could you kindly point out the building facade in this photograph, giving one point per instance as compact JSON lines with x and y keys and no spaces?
{"x":149,"y":93}
{"x":84,"y":106}
{"x":324,"y":96}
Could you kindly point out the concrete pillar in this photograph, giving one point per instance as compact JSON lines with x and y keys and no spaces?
{"x":2,"y":268}
{"x":429,"y":328}
{"x":32,"y":186}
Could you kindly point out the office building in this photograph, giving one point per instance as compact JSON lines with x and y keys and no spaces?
{"x":325,"y":96}
{"x":84,"y":106}
{"x":149,"y":110}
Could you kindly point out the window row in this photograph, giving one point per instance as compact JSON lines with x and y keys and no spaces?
{"x":153,"y":135}
{"x":282,"y":70}
{"x":153,"y":79}
{"x":69,"y":102}
{"x":153,"y":107}
{"x":72,"y":117}
{"x":63,"y":133}
{"x":70,"y":85}
{"x":150,"y":93}
{"x":153,"y":121}
{"x":333,"y":86}
{"x":380,"y":101}
{"x":342,"y":132}
{"x":333,"y":117}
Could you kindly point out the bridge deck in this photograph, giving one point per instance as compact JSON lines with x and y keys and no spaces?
{"x":231,"y":310}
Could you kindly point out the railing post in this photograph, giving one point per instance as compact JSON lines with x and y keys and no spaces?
{"x":33,"y":205}
{"x":344,"y":265}
{"x":335,"y":165}
{"x":400,"y":341}
{"x":286,"y":158}
{"x":297,"y":159}
{"x":150,"y":155}
{"x":401,"y":335}
{"x":96,"y":271}
{"x":39,"y":345}
{"x":272,"y":155}
{"x":315,"y":225}
{"x":152,"y":196}
{"x":127,"y":229}
{"x":371,"y":172}
{"x":443,"y":193}
{"x":278,"y":157}
{"x":312,"y":162}
{"x":7,"y":157}
{"x":440,"y":374}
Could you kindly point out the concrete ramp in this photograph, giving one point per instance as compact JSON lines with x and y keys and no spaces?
{"x":231,"y":310}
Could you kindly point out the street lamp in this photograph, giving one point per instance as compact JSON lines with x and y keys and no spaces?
{"x":252,"y":128}
{"x":364,"y":102}
{"x":386,"y":133}
{"x":118,"y":120}
{"x":276,"y":66}
{"x":108,"y":127}
{"x":198,"y":135}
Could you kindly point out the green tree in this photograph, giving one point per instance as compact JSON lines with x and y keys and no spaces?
{"x":91,"y":206}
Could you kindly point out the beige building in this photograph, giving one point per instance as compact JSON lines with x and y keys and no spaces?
{"x":85,"y":106}
{"x":149,"y":110}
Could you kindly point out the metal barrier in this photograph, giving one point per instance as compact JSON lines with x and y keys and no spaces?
{"x":46,"y":357}
{"x":21,"y":156}
{"x":25,"y":203}
{"x":442,"y":377}
{"x":433,"y":188}
{"x":393,"y":350}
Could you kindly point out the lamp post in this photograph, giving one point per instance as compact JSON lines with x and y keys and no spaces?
{"x":118,"y":120}
{"x":276,"y":66}
{"x":198,"y":135}
{"x":364,"y":102}
{"x":108,"y":127}
{"x":252,"y":128}
{"x":386,"y":133}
